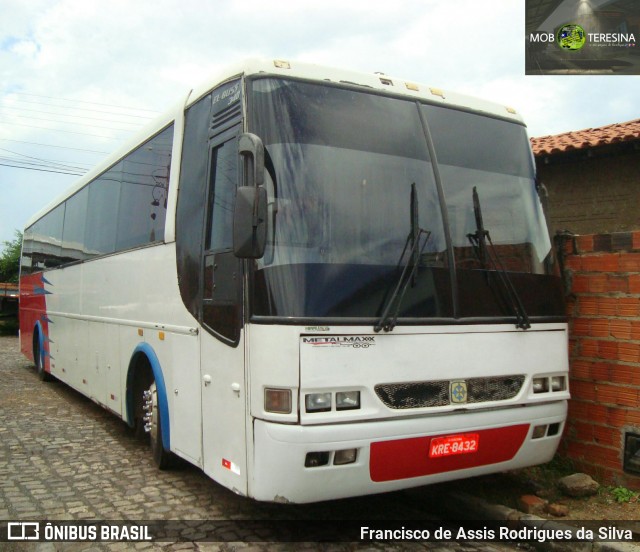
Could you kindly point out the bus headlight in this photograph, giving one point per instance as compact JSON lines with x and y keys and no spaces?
{"x":558,"y":383}
{"x":318,"y":402}
{"x":277,"y":401}
{"x":540,"y":385}
{"x":347,"y":400}
{"x":545,"y":384}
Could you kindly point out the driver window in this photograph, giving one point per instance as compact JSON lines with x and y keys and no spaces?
{"x":223,"y":183}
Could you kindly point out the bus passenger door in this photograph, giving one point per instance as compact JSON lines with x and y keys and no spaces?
{"x":222,"y":347}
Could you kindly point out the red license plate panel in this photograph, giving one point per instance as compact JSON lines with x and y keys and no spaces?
{"x":465,"y":443}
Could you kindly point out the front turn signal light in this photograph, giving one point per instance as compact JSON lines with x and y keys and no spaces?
{"x":277,"y":401}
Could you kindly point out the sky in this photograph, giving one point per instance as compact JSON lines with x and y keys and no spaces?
{"x":78,"y":77}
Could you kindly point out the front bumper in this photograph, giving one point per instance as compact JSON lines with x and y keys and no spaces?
{"x":393,"y":454}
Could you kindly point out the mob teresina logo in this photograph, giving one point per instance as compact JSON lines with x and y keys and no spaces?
{"x":571,"y":37}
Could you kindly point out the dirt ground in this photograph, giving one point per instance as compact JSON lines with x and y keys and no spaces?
{"x":542,"y":481}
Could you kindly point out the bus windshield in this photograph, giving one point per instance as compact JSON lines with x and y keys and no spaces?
{"x":341,"y":164}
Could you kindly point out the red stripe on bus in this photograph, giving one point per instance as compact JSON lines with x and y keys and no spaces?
{"x":405,"y":458}
{"x":33,"y":309}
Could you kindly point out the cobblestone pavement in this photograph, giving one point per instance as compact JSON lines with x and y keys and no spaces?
{"x":62,"y":457}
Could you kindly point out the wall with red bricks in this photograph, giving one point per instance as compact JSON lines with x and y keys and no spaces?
{"x":592,"y":192}
{"x":603,"y":271}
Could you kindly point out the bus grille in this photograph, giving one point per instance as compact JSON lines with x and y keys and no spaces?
{"x":424,"y":394}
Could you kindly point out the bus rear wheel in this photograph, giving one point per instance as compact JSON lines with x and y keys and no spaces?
{"x":38,"y":358}
{"x":153,"y":426}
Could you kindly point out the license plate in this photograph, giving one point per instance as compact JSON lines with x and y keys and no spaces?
{"x":465,"y":443}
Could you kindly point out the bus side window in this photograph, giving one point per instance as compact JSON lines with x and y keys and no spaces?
{"x":221,"y":286}
{"x":223,"y":183}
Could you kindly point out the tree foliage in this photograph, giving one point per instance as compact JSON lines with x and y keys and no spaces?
{"x":10,"y":259}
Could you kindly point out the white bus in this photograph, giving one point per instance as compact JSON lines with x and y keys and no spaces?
{"x":311,"y":284}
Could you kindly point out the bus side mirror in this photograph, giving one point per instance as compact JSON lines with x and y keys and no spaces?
{"x":250,"y":222}
{"x":250,"y":213}
{"x":251,"y":149}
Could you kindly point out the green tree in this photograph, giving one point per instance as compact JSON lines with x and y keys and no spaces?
{"x":10,"y":259}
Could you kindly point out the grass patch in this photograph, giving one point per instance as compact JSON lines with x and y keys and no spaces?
{"x":623,"y":495}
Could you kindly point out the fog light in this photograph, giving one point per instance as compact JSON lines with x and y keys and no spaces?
{"x":554,"y":429}
{"x":318,"y":402}
{"x":347,"y":400}
{"x":540,"y":385}
{"x":316,"y":459}
{"x":539,"y":432}
{"x":343,"y":457}
{"x":558,"y":383}
{"x":277,"y":401}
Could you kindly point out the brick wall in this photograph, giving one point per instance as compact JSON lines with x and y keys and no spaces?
{"x":604,"y":275}
{"x":590,"y":192}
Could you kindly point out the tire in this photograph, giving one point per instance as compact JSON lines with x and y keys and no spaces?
{"x":38,"y":358}
{"x":153,"y":425}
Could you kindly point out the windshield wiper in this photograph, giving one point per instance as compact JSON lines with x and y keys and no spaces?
{"x":409,"y":272}
{"x":486,"y":253}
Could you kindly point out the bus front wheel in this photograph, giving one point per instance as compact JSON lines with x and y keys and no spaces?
{"x":153,"y":427}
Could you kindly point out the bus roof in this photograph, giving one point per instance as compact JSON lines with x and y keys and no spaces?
{"x":375,"y":81}
{"x":293,"y":69}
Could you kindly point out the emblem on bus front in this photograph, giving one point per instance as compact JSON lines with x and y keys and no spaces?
{"x":458,"y":391}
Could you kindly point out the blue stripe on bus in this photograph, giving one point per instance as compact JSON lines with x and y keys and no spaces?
{"x":41,"y":350}
{"x":40,"y":291}
{"x":163,"y":403}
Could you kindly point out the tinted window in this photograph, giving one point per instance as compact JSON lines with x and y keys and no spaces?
{"x":124,"y":207}
{"x":73,"y":232}
{"x":191,"y":207}
{"x":41,"y":248}
{"x":492,"y":157}
{"x":477,"y":142}
{"x":143,"y":193}
{"x":102,"y":213}
{"x":328,"y":116}
{"x":27,"y":252}
{"x":224,"y":177}
{"x":343,"y":164}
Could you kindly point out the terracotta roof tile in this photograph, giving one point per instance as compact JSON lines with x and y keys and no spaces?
{"x":587,"y":138}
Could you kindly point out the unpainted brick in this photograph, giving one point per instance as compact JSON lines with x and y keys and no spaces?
{"x":620,"y":329}
{"x":628,"y":352}
{"x":629,"y":262}
{"x":617,"y":395}
{"x":584,"y":243}
{"x":599,"y":327}
{"x":607,"y":306}
{"x":628,"y":306}
{"x":606,"y":262}
{"x":617,"y":283}
{"x":606,"y":435}
{"x":601,"y":371}
{"x":608,"y":350}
